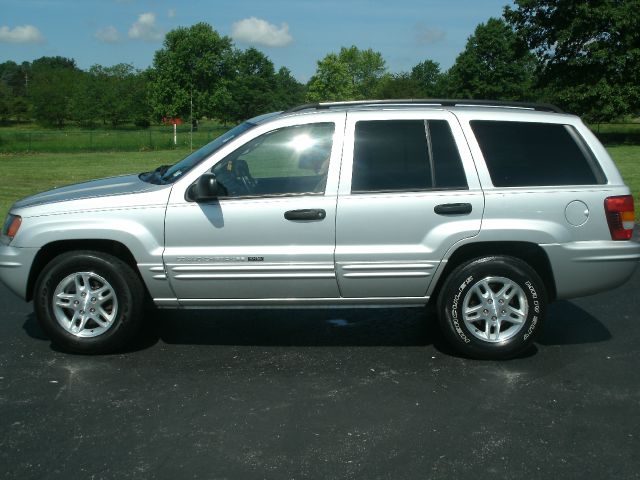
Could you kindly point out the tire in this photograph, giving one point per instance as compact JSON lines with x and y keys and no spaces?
{"x":89,"y":302}
{"x":492,"y":307}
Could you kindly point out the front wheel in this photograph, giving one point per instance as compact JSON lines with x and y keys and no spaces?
{"x":89,"y":302}
{"x":492,"y":307}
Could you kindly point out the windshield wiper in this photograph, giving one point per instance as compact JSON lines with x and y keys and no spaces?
{"x":155,"y":175}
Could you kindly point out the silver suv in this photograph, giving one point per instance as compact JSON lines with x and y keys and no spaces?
{"x":488,"y":210}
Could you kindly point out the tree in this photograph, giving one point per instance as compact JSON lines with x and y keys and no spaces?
{"x":56,"y":62}
{"x":14,"y":79}
{"x":54,"y":80}
{"x":289,"y":92}
{"x":5,"y":98}
{"x":85,"y":101}
{"x":352,"y":74}
{"x":400,"y":86}
{"x":252,"y":87}
{"x":115,"y":94}
{"x":494,"y":65}
{"x":18,"y":107}
{"x":331,"y":81}
{"x":588,"y":52}
{"x":195,"y":64}
{"x":13,"y":76}
{"x":429,"y":77}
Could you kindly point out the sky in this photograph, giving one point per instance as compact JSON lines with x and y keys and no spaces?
{"x":292,"y":33}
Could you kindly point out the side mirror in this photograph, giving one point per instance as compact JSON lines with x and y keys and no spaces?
{"x":205,"y":189}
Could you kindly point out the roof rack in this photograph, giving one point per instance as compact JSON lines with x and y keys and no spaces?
{"x":544,"y":107}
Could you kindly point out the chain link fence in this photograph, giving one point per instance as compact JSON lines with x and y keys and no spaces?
{"x":103,"y":140}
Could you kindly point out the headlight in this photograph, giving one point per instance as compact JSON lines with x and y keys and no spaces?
{"x":11,"y":226}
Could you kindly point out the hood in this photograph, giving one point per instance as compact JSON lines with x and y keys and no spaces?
{"x":122,"y":185}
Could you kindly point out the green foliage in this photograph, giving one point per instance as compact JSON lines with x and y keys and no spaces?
{"x":57,"y":62}
{"x":14,"y":77}
{"x":55,"y":92}
{"x":5,"y":99}
{"x":289,"y":92}
{"x":429,"y":77}
{"x":352,"y":74}
{"x":13,"y":90}
{"x":118,"y":93}
{"x":588,"y":53}
{"x":250,"y":92}
{"x":54,"y":80}
{"x":195,"y":63}
{"x":400,"y":86}
{"x":494,"y":65}
{"x":86,"y":102}
{"x":424,"y":81}
{"x":19,"y":107}
{"x":224,"y":82}
{"x":331,"y":81}
{"x":257,"y":89}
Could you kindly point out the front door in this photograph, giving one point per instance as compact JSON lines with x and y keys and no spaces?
{"x":271,"y":235}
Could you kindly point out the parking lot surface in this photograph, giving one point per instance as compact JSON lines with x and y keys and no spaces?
{"x":326,"y":393}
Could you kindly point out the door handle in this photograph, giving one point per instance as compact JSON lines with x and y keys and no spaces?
{"x":453,"y":209}
{"x":308,"y":214}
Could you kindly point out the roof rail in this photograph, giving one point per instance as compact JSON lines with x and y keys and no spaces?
{"x":544,"y":107}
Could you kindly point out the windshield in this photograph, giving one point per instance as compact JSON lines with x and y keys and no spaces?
{"x":171,"y":173}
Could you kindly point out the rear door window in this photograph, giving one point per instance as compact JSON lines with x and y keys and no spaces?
{"x":405,"y":155}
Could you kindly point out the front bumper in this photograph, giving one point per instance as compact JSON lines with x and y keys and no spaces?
{"x":585,"y":268}
{"x":15,"y":265}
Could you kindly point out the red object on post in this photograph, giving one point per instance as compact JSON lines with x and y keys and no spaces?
{"x":172,"y":120}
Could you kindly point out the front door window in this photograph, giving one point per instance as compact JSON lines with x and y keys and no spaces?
{"x":287,"y":161}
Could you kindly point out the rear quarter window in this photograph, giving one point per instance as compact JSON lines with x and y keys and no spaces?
{"x":522,"y":154}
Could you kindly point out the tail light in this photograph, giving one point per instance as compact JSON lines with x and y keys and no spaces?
{"x":620,"y":216}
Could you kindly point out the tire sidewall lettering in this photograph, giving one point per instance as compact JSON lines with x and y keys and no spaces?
{"x":534,"y":296}
{"x":458,"y":286}
{"x":532,"y":327}
{"x":535,"y":304}
{"x":455,"y":319}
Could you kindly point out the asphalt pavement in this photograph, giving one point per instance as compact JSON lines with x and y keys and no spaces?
{"x":327,"y":394}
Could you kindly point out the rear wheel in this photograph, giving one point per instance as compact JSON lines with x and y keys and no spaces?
{"x":492,"y":307}
{"x":89,"y":302}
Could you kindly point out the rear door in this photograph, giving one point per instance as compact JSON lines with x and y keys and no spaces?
{"x":408,"y":192}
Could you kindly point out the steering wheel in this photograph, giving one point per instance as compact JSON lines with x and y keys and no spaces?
{"x":244,"y":175}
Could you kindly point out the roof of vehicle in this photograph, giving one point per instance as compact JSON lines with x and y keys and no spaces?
{"x":429,"y":102}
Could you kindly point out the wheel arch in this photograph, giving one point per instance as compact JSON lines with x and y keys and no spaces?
{"x":531,"y":253}
{"x":51,"y":250}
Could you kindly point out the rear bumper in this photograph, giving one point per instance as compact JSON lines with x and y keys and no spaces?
{"x":15,"y":265}
{"x":585,"y":268}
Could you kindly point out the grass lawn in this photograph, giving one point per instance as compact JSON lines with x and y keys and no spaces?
{"x":627,"y":158}
{"x":25,"y":174}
